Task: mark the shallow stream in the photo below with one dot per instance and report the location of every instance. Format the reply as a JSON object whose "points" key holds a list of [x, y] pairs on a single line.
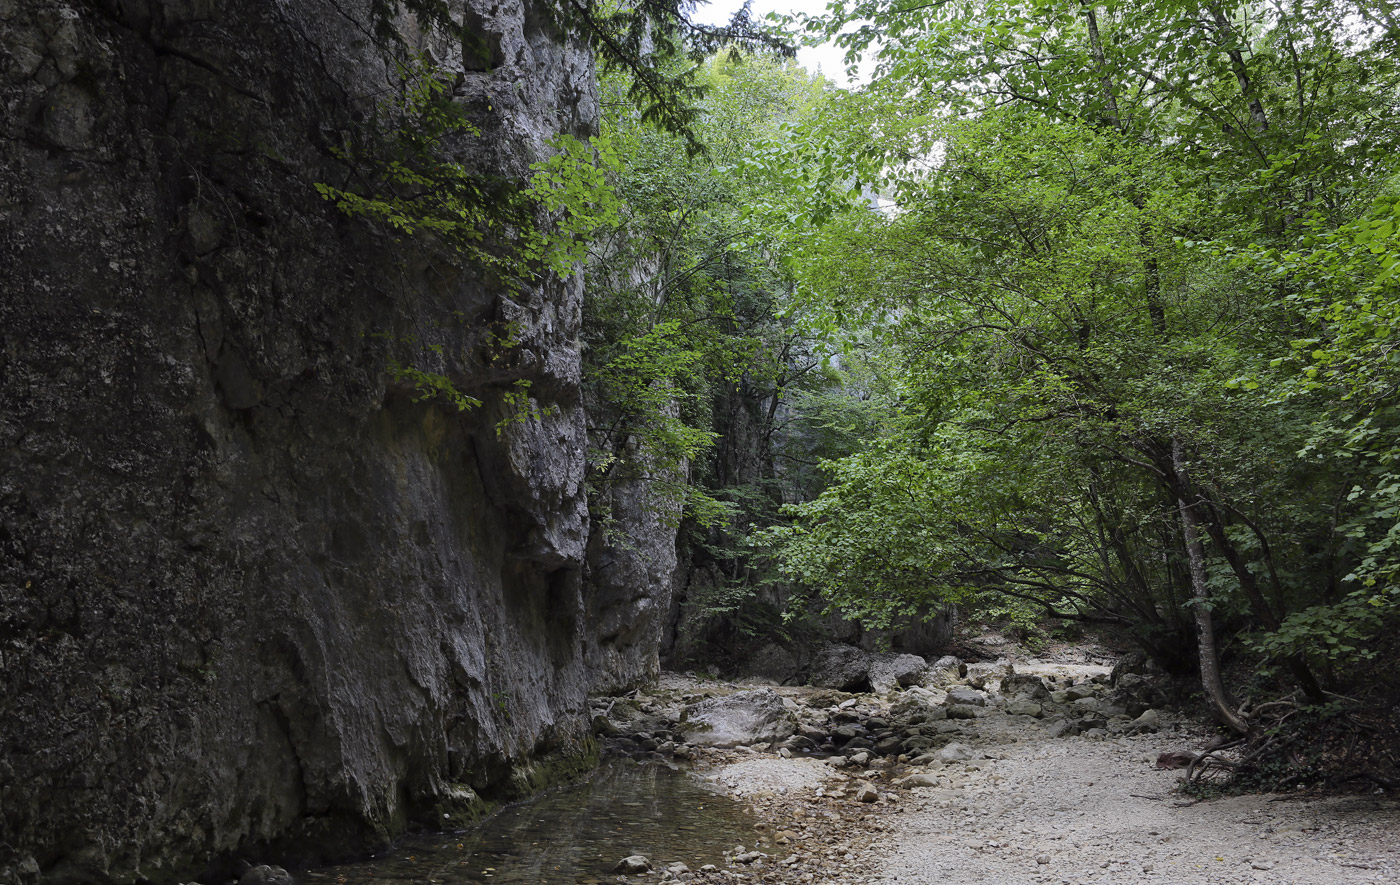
{"points": [[570, 836]]}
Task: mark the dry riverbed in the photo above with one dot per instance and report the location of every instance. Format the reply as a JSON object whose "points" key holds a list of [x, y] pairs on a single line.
{"points": [[1003, 797]]}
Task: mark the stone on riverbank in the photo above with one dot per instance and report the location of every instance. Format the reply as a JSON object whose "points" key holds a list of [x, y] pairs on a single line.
{"points": [[629, 866], [746, 717]]}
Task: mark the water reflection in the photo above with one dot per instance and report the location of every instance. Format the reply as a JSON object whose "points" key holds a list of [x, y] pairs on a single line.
{"points": [[571, 836]]}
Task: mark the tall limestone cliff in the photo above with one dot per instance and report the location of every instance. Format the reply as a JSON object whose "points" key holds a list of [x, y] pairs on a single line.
{"points": [[257, 598]]}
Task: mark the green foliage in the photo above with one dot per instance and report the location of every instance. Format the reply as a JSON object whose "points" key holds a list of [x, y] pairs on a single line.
{"points": [[682, 325], [1118, 232], [427, 385], [655, 50]]}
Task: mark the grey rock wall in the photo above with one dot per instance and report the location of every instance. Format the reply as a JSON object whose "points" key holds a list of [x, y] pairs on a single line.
{"points": [[254, 599], [631, 567]]}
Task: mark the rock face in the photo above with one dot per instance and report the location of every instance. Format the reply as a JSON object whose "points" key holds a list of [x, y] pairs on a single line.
{"points": [[254, 591], [746, 717], [631, 568]]}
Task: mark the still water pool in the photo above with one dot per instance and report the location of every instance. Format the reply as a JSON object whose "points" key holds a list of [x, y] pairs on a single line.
{"points": [[570, 836]]}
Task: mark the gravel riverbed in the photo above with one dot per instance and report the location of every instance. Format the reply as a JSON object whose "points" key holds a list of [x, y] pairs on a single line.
{"points": [[1012, 799]]}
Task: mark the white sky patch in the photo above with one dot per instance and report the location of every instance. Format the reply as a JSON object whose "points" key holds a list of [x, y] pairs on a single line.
{"points": [[827, 58]]}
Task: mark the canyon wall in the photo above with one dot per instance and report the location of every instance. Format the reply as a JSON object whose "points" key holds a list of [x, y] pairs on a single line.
{"points": [[259, 599]]}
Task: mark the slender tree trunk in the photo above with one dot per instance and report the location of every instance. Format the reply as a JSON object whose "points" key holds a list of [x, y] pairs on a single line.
{"points": [[1237, 64], [1110, 95], [1211, 682], [1297, 665]]}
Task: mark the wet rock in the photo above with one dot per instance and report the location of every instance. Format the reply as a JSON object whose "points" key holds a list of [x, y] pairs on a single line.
{"points": [[745, 717], [961, 711], [749, 857], [629, 866], [849, 731], [266, 874]]}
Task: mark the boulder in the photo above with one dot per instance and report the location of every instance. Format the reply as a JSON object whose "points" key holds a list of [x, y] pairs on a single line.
{"points": [[967, 697], [746, 717], [1081, 690], [266, 874], [1024, 706], [867, 793], [915, 701], [921, 779], [774, 662], [1086, 705], [891, 671], [950, 665], [1136, 693], [842, 667], [962, 711], [1134, 663], [956, 752], [917, 744], [632, 865], [889, 746], [1150, 722], [1025, 686]]}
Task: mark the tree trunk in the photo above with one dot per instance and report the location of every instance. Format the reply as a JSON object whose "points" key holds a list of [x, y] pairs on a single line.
{"points": [[1220, 703], [1297, 665]]}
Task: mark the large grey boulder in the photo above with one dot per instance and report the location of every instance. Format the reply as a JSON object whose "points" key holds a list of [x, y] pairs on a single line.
{"points": [[1136, 694], [266, 875], [968, 697], [891, 671], [1023, 685], [773, 661], [1024, 706], [747, 717], [842, 667]]}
